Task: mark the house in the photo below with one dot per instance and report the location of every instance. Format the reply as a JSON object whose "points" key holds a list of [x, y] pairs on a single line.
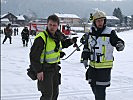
{"points": [[70, 19], [21, 20], [5, 21], [12, 18], [112, 21]]}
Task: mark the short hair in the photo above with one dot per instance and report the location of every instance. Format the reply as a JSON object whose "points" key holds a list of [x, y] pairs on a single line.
{"points": [[53, 18]]}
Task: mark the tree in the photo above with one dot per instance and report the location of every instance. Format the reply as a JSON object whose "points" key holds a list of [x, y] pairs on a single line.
{"points": [[117, 12], [132, 21], [125, 20]]}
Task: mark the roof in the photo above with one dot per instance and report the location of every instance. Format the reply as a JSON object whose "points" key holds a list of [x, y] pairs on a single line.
{"points": [[21, 17], [67, 15], [4, 15], [112, 17], [5, 20], [129, 16]]}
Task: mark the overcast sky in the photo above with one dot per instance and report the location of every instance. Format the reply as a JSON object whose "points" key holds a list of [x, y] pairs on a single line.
{"points": [[82, 8]]}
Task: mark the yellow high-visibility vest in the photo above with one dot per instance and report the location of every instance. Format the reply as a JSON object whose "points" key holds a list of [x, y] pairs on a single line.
{"points": [[49, 54]]}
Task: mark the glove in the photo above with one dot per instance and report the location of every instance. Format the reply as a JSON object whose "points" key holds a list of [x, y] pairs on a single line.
{"points": [[120, 46], [85, 62], [74, 39], [62, 54]]}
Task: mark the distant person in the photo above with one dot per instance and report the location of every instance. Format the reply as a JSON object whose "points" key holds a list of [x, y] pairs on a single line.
{"points": [[99, 51], [15, 31], [8, 33], [25, 36], [1, 31]]}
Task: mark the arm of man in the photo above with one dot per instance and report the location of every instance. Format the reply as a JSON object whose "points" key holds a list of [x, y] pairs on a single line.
{"points": [[35, 54], [66, 43], [116, 41]]}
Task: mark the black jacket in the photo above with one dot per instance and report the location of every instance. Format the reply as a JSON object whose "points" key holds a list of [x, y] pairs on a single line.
{"points": [[25, 34], [38, 47]]}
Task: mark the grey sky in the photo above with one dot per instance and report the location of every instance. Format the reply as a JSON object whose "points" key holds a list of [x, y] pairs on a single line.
{"points": [[80, 7]]}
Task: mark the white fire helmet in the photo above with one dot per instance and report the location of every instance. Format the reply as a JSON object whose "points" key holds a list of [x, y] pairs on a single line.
{"points": [[99, 14]]}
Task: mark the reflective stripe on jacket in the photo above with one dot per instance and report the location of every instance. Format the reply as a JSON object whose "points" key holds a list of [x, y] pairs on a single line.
{"points": [[49, 54], [102, 56]]}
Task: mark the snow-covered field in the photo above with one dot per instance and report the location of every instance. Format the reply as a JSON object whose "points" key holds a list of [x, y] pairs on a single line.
{"points": [[16, 85]]}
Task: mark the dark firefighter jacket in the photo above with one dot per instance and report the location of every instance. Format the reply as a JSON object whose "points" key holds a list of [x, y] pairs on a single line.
{"points": [[25, 34], [100, 76]]}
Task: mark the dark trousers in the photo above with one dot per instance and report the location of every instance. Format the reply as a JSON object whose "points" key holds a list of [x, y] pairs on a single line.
{"points": [[49, 87], [25, 42], [6, 39], [99, 92]]}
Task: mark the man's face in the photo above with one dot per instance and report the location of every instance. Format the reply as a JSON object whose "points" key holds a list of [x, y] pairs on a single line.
{"points": [[99, 22], [52, 26]]}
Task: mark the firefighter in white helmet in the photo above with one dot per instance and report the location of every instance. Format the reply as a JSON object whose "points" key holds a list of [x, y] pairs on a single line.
{"points": [[99, 51]]}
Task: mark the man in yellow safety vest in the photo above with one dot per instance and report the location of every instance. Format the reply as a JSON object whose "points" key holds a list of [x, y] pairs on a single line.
{"points": [[45, 56]]}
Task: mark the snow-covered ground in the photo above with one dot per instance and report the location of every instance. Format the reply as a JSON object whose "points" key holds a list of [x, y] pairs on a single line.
{"points": [[16, 85]]}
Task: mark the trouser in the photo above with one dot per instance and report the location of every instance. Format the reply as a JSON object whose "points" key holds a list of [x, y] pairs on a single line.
{"points": [[49, 87], [6, 38], [25, 42], [99, 92]]}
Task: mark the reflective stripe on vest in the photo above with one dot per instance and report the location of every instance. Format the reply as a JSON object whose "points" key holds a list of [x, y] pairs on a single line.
{"points": [[100, 83], [103, 56], [50, 55], [105, 64]]}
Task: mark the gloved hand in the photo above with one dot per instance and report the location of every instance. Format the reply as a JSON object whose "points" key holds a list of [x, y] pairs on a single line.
{"points": [[120, 46], [85, 62], [74, 39], [62, 54]]}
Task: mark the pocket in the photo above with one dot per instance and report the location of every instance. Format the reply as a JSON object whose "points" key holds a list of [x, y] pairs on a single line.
{"points": [[31, 74]]}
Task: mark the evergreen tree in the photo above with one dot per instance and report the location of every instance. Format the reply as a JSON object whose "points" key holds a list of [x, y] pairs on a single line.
{"points": [[132, 21], [125, 20], [117, 12]]}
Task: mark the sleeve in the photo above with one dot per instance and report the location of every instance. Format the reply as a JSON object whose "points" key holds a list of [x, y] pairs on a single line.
{"points": [[86, 52], [66, 43], [35, 54], [114, 38], [22, 33], [82, 40], [64, 40]]}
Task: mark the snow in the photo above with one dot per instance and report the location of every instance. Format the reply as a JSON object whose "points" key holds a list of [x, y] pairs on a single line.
{"points": [[16, 85], [112, 17], [20, 17], [66, 15], [5, 20]]}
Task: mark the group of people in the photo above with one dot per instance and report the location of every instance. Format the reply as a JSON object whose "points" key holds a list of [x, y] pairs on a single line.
{"points": [[8, 34], [99, 44]]}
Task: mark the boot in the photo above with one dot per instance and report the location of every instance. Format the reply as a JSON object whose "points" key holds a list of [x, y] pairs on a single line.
{"points": [[23, 45], [26, 44]]}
